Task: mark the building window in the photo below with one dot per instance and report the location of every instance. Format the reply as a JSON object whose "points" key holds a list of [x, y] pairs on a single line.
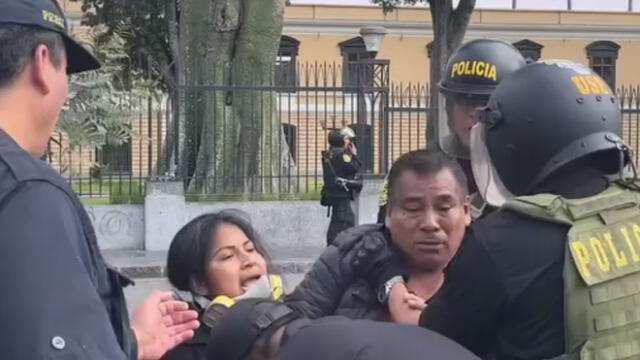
{"points": [[602, 60], [530, 50], [286, 62], [115, 159], [291, 137], [352, 51]]}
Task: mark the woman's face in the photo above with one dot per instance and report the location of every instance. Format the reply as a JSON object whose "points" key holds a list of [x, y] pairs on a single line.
{"points": [[233, 263]]}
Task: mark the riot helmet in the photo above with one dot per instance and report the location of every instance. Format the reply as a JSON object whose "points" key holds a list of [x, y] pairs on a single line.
{"points": [[243, 324], [335, 139], [348, 132], [471, 75], [544, 116]]}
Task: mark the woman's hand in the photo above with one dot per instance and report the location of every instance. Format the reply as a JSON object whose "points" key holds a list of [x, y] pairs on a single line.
{"points": [[404, 307], [161, 323]]}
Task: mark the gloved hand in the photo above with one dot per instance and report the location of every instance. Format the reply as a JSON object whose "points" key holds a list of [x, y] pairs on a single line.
{"points": [[371, 256]]}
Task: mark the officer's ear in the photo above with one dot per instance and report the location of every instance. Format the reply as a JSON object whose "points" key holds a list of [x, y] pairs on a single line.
{"points": [[198, 286], [467, 210]]}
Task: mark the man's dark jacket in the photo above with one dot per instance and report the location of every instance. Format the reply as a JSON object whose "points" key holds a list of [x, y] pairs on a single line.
{"points": [[334, 287]]}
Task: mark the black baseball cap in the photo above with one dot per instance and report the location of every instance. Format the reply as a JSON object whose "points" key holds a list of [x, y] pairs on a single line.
{"points": [[47, 15]]}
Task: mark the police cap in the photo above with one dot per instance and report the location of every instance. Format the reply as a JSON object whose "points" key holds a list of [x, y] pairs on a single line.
{"points": [[47, 15]]}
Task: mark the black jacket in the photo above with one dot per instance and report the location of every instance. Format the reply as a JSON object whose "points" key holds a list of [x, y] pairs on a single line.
{"points": [[59, 298], [193, 349], [337, 338], [342, 165], [504, 292], [332, 287]]}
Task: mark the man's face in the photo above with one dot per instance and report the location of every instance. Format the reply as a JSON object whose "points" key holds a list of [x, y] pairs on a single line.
{"points": [[463, 117], [428, 216]]}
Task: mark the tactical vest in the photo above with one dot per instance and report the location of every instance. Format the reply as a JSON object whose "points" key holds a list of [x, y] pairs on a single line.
{"points": [[601, 270]]}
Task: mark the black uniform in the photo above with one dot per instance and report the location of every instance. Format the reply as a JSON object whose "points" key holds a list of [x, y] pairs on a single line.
{"points": [[503, 292], [253, 322], [339, 195], [339, 338], [59, 298]]}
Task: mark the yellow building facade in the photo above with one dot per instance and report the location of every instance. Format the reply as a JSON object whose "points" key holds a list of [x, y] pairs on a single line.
{"points": [[608, 41], [561, 34]]}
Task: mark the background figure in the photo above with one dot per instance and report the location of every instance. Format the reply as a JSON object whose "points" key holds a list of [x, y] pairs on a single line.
{"points": [[342, 180]]}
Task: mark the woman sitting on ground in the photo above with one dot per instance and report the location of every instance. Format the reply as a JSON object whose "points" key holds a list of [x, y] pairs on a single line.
{"points": [[212, 255]]}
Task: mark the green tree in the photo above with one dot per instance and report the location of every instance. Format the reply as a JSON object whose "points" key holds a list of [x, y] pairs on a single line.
{"points": [[449, 26], [96, 112], [209, 42]]}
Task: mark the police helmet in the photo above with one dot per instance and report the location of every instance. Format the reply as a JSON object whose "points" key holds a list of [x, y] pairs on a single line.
{"points": [[478, 66], [348, 132], [244, 323], [471, 75], [542, 117], [335, 138]]}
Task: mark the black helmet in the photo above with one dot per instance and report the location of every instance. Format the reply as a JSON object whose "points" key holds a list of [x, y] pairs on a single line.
{"points": [[335, 138], [241, 325], [477, 67], [545, 116]]}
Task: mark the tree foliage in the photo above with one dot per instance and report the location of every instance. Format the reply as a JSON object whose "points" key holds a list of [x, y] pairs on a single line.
{"points": [[100, 103], [150, 49]]}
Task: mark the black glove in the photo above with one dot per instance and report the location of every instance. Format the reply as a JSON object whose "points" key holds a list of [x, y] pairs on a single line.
{"points": [[371, 256]]}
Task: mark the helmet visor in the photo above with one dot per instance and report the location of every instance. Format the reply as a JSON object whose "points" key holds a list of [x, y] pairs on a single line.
{"points": [[489, 184], [456, 117]]}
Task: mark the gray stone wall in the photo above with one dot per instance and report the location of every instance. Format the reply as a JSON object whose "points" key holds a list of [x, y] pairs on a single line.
{"points": [[290, 229]]}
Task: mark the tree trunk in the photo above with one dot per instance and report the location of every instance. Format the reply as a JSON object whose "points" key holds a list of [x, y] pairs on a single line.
{"points": [[167, 159], [265, 149], [449, 27], [239, 141]]}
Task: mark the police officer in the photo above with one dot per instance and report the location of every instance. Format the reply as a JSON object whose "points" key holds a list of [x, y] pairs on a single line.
{"points": [[554, 272], [260, 329], [59, 299], [342, 180], [472, 73]]}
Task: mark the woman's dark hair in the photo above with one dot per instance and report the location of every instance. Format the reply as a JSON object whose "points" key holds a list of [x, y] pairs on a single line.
{"points": [[190, 248]]}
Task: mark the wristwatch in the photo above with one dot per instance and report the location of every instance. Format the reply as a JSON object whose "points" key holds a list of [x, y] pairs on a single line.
{"points": [[385, 289]]}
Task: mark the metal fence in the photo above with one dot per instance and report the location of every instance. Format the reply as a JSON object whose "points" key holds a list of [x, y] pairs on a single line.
{"points": [[264, 141]]}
